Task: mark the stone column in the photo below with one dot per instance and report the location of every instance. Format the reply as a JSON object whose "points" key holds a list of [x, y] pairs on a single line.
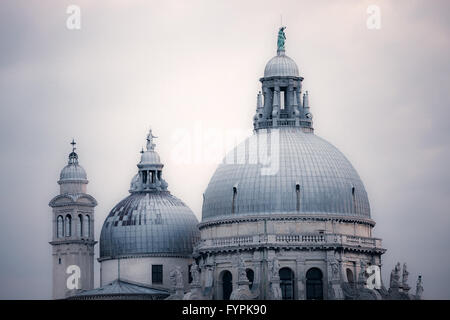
{"points": [[301, 271], [267, 111]]}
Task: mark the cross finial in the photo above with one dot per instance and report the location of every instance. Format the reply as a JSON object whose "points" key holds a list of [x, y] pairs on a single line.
{"points": [[73, 143]]}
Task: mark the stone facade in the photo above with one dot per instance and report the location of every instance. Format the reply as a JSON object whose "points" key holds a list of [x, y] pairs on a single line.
{"points": [[298, 244], [139, 269]]}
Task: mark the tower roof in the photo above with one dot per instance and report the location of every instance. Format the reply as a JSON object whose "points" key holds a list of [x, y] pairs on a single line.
{"points": [[73, 172]]}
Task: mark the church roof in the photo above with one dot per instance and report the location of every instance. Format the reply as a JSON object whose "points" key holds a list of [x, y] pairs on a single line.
{"points": [[305, 175], [149, 223], [122, 288]]}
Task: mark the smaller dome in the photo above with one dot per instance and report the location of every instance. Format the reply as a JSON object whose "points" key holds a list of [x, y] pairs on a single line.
{"points": [[72, 172], [281, 66], [149, 223], [150, 157]]}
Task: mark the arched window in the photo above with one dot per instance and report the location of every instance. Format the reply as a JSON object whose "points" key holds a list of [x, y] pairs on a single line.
{"points": [[227, 285], [80, 226], [233, 204], [250, 277], [353, 199], [350, 279], [86, 226], [68, 226], [189, 273], [60, 227], [314, 285], [287, 283], [297, 192]]}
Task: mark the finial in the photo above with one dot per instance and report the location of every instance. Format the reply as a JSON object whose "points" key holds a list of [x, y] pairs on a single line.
{"points": [[142, 150], [150, 144], [73, 157], [73, 143]]}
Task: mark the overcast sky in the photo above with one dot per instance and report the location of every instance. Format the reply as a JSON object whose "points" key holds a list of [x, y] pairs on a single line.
{"points": [[380, 96]]}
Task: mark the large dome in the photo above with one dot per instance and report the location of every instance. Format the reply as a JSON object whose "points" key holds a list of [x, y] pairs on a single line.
{"points": [[312, 177], [281, 66], [148, 223]]}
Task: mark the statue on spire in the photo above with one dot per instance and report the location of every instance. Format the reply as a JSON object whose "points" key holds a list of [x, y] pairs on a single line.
{"points": [[150, 144], [281, 39]]}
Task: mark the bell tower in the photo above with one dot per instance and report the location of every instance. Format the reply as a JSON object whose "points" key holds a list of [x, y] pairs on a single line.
{"points": [[73, 232]]}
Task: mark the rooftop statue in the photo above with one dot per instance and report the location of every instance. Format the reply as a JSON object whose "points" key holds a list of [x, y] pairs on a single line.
{"points": [[419, 287], [176, 277], [405, 278], [195, 274], [395, 276], [275, 268], [281, 39], [150, 144], [242, 274]]}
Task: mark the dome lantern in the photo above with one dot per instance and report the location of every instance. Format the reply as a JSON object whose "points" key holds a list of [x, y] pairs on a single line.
{"points": [[282, 87], [149, 177]]}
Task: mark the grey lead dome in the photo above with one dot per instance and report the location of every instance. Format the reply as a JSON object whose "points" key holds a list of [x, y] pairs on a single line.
{"points": [[281, 66], [150, 221], [147, 223], [327, 182]]}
